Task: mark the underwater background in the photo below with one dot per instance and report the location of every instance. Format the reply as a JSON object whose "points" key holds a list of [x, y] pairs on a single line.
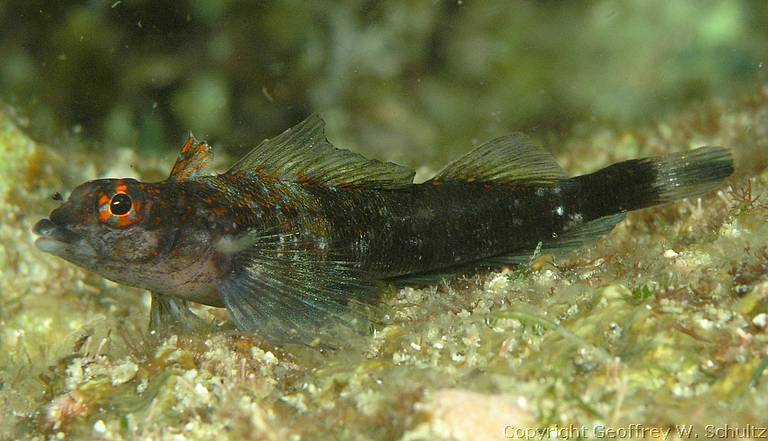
{"points": [[664, 323]]}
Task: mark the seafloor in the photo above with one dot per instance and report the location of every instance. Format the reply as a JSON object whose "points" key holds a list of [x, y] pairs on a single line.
{"points": [[664, 323]]}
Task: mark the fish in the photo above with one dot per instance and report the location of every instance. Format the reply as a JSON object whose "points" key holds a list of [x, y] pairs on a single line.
{"points": [[297, 233]]}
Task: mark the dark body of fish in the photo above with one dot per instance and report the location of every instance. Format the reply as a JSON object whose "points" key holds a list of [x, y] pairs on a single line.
{"points": [[297, 229]]}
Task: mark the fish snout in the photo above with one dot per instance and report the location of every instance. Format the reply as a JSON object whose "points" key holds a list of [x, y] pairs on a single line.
{"points": [[50, 230], [62, 215], [47, 243], [44, 227]]}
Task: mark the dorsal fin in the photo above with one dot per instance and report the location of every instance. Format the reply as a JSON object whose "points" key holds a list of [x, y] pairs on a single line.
{"points": [[193, 158], [303, 153], [509, 159]]}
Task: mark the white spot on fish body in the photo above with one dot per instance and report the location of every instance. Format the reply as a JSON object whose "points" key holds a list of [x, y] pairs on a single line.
{"points": [[560, 210], [362, 245]]}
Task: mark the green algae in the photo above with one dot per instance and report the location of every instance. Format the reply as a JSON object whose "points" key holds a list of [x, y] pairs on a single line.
{"points": [[660, 323]]}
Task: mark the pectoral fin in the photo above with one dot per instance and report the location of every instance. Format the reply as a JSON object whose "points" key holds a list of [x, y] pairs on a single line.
{"points": [[294, 295]]}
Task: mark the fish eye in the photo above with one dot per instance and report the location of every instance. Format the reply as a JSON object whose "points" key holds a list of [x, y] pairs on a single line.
{"points": [[120, 204], [121, 207]]}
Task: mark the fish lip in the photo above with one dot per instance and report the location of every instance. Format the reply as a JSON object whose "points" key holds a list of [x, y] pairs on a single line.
{"points": [[50, 246], [60, 241], [49, 230]]}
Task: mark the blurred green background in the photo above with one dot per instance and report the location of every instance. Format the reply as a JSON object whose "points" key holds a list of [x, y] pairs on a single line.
{"points": [[412, 81]]}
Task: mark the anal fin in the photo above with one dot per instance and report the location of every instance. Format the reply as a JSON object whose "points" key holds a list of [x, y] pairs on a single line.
{"points": [[576, 237], [573, 238]]}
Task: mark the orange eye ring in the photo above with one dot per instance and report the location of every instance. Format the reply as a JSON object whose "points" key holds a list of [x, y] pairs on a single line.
{"points": [[118, 209]]}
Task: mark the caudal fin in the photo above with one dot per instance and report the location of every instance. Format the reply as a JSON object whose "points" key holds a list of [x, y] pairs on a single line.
{"points": [[640, 183], [685, 175]]}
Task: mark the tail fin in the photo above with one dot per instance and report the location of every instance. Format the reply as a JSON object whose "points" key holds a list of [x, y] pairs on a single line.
{"points": [[685, 175], [640, 183]]}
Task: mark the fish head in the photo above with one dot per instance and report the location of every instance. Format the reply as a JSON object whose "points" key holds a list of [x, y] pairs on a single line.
{"points": [[108, 226]]}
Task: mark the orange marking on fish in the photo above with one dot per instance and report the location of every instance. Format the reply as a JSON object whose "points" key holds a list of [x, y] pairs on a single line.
{"points": [[104, 216], [265, 177], [304, 179], [188, 144], [122, 221], [192, 158]]}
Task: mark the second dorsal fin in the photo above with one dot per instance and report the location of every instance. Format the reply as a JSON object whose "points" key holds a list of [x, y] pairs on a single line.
{"points": [[303, 153], [509, 159]]}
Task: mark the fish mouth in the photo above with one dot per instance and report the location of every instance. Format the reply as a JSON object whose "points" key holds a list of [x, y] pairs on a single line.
{"points": [[58, 240]]}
